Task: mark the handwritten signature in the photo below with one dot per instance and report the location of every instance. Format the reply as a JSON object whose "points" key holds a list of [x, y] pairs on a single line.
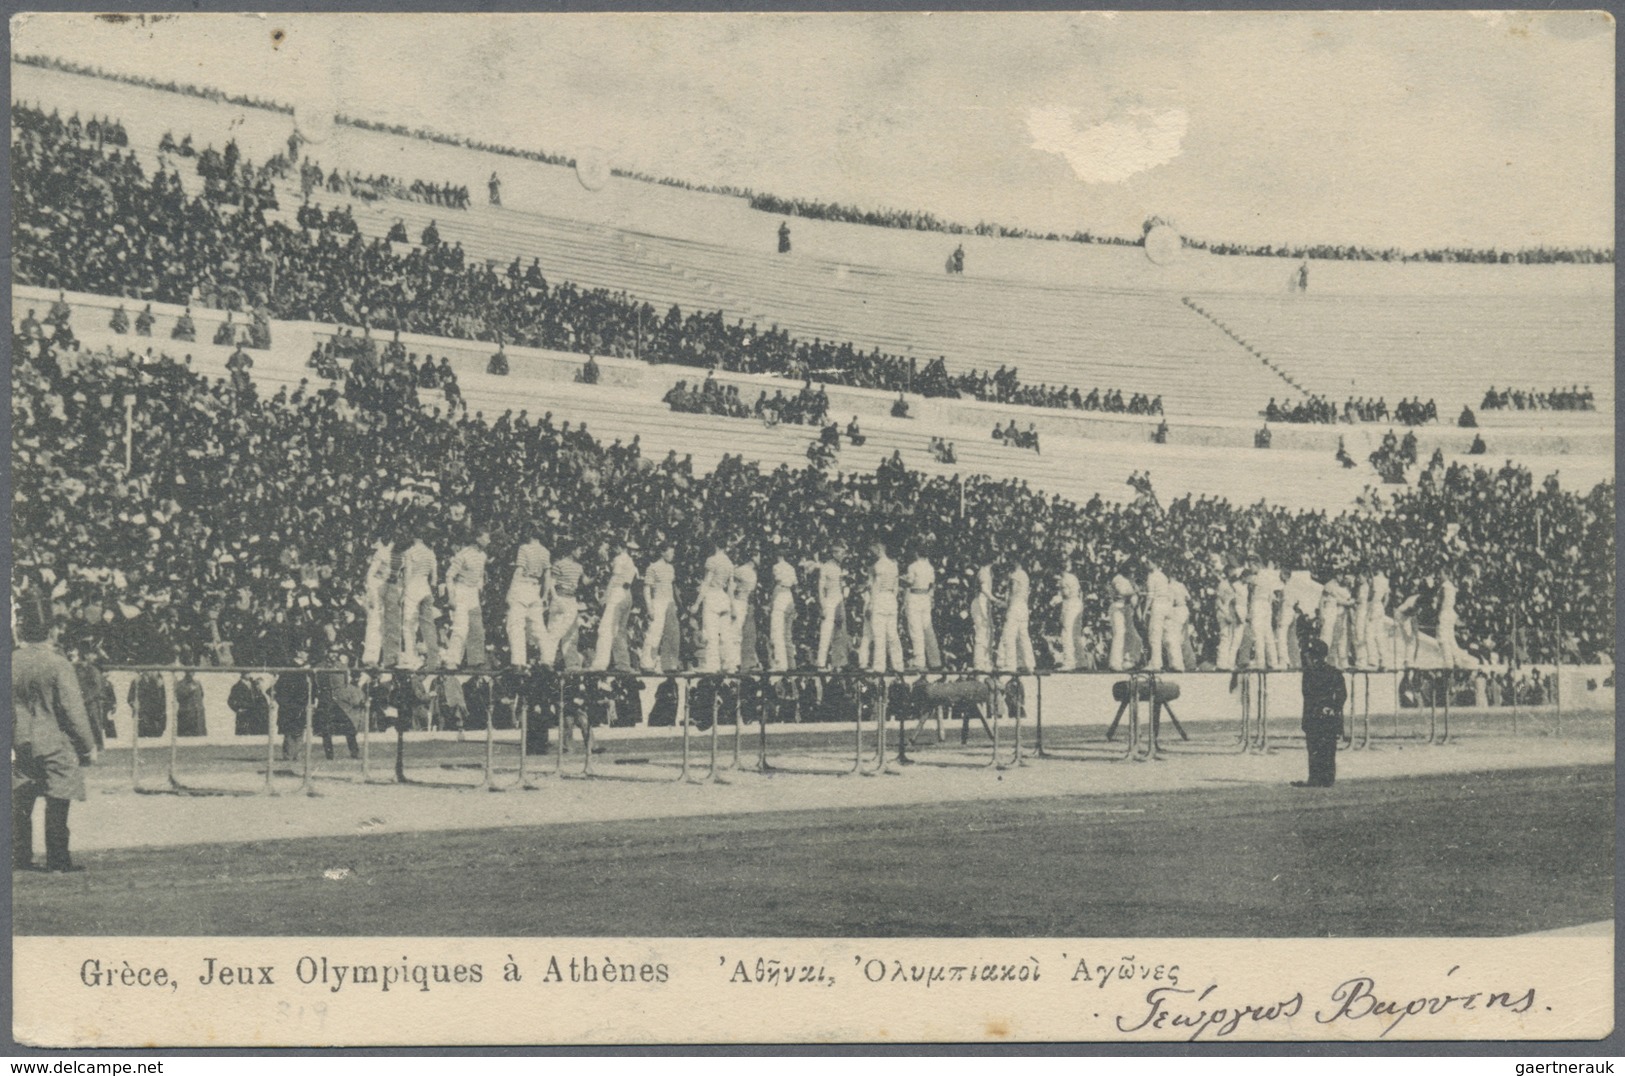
{"points": [[1352, 1000]]}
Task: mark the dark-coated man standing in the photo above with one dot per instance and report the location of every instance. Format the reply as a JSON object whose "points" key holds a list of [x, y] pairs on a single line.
{"points": [[1323, 696], [51, 740]]}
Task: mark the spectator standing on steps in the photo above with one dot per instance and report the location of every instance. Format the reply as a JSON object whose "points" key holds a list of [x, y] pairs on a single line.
{"points": [[494, 185]]}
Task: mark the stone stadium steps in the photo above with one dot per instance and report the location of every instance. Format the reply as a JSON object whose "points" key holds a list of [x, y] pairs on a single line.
{"points": [[1446, 348], [1137, 342]]}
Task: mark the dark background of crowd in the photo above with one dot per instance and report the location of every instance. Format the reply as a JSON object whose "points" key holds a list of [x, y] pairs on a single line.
{"points": [[1573, 398], [250, 519], [908, 219]]}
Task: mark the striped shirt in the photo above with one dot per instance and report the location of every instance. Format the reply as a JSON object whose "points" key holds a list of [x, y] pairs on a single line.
{"points": [[531, 565], [660, 580], [420, 563], [566, 576], [467, 568]]}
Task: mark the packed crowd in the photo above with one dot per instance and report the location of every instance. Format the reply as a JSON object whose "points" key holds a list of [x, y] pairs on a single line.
{"points": [[94, 223], [1573, 398], [372, 188], [249, 522]]}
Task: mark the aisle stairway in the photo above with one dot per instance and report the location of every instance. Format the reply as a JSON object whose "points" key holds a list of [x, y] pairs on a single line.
{"points": [[1448, 349]]}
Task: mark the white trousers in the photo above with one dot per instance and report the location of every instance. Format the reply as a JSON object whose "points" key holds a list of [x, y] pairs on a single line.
{"points": [[619, 599], [981, 618], [1266, 649], [883, 631], [716, 617], [922, 634], [780, 617], [527, 619], [1447, 640], [1015, 644], [1118, 657], [1071, 615], [657, 632], [1158, 622], [1229, 643], [417, 592], [1173, 639], [826, 633], [372, 639], [465, 606], [561, 622]]}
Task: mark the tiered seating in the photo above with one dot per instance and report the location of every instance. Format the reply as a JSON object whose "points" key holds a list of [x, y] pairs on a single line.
{"points": [[1447, 348], [1134, 341]]}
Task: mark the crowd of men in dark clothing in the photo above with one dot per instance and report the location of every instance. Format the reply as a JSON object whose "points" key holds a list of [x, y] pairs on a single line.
{"points": [[1014, 438], [371, 188], [1319, 409], [808, 407], [1573, 398]]}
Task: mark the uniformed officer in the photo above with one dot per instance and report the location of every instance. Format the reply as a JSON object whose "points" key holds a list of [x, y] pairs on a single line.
{"points": [[51, 739], [1323, 696]]}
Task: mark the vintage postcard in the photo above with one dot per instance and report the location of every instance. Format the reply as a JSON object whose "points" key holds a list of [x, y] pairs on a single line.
{"points": [[855, 528]]}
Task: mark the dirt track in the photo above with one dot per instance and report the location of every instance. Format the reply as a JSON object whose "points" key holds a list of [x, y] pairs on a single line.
{"points": [[1458, 840]]}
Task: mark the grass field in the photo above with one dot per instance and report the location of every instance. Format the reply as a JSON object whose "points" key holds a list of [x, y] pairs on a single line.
{"points": [[1477, 852]]}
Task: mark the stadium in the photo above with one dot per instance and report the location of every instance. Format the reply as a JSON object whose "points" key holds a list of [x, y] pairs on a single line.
{"points": [[265, 351]]}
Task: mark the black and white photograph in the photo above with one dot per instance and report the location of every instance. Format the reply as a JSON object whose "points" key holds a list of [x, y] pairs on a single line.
{"points": [[800, 509]]}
